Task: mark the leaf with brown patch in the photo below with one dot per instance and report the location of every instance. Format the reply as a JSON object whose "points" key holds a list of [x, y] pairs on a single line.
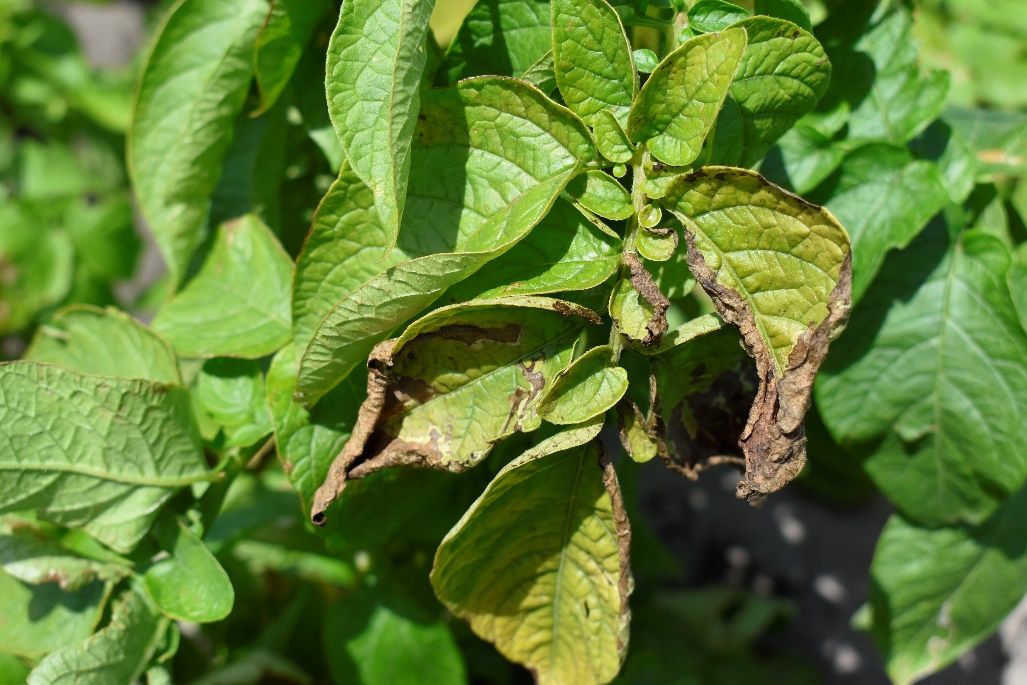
{"points": [[637, 304]]}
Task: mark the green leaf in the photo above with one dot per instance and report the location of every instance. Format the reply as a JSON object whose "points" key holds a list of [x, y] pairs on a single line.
{"points": [[101, 454], [710, 16], [782, 76], [584, 390], [376, 57], [189, 585], [611, 139], [592, 57], [601, 194], [791, 10], [104, 342], [885, 199], [308, 440], [347, 245], [940, 326], [28, 554], [41, 266], [565, 252], [376, 640], [456, 382], [119, 652], [193, 85], [231, 392], [549, 591], [280, 45], [542, 74], [40, 618], [803, 158], [12, 670], [938, 593], [238, 304], [1017, 279], [679, 103], [637, 305], [506, 37], [658, 244], [779, 269], [998, 140]]}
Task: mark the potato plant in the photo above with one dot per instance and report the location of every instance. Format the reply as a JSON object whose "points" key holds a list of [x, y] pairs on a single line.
{"points": [[462, 293]]}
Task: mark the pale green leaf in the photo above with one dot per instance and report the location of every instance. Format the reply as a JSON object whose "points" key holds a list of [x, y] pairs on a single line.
{"points": [[637, 435], [188, 585], [280, 45], [28, 554], [637, 305], [938, 593], [549, 591], [679, 103], [376, 57], [657, 245], [884, 198], [104, 342], [592, 58], [611, 139], [119, 653], [505, 37], [97, 453], [601, 194], [456, 382], [709, 16], [782, 75], [939, 325], [238, 304], [40, 618], [584, 390], [193, 85]]}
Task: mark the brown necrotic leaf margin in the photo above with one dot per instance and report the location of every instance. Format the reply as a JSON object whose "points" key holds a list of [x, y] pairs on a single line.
{"points": [[773, 442]]}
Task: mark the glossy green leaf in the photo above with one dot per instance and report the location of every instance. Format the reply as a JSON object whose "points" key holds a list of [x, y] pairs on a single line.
{"points": [[782, 75], [104, 342], [376, 640], [238, 304], [231, 393], [645, 60], [601, 194], [679, 103], [611, 139], [347, 245], [505, 37], [710, 16], [375, 61], [280, 45], [40, 618], [938, 593], [119, 652], [565, 252], [592, 57], [549, 591], [940, 326], [193, 86], [779, 269], [587, 388], [189, 585], [885, 199], [456, 382], [790, 10], [97, 453]]}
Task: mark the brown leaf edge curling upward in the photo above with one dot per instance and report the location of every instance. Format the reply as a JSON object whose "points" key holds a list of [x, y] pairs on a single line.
{"points": [[646, 286], [354, 462], [773, 442], [622, 527]]}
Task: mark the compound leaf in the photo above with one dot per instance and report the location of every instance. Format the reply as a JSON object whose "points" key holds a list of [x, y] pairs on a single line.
{"points": [[549, 591], [238, 304]]}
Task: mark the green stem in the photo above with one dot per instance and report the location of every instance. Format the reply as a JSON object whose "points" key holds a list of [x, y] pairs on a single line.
{"points": [[638, 203]]}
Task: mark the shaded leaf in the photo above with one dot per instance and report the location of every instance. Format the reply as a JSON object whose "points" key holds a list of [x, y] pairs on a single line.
{"points": [[280, 45], [506, 37], [231, 392], [29, 555], [791, 10], [39, 619], [238, 304], [550, 592]]}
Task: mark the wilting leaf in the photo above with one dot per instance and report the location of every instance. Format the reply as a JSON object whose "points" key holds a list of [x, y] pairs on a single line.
{"points": [[190, 584], [937, 593], [678, 105], [280, 45], [117, 653], [506, 37], [549, 591], [193, 86], [104, 342], [96, 453], [238, 304], [779, 269], [884, 198], [456, 382], [585, 389], [637, 305], [37, 619], [601, 194], [940, 328], [592, 58], [375, 61]]}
